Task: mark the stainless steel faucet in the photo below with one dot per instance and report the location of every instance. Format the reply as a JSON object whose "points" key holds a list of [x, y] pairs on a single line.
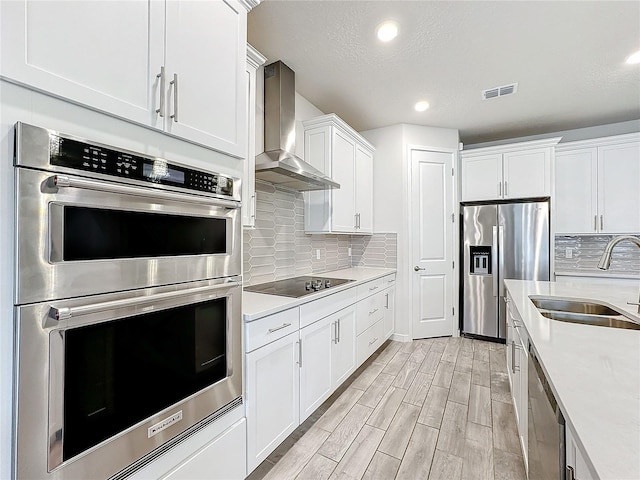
{"points": [[605, 259]]}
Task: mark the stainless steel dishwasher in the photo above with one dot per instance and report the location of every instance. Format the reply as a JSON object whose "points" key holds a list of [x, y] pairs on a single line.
{"points": [[546, 428]]}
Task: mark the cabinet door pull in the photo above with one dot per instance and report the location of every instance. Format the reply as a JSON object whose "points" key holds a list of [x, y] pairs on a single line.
{"points": [[499, 189], [373, 311], [373, 341], [174, 82], [284, 325], [334, 332], [595, 223], [570, 473], [601, 222], [371, 289], [513, 357], [160, 109], [339, 330], [300, 353], [506, 189], [386, 305]]}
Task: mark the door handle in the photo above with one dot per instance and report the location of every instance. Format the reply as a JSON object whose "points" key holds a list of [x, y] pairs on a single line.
{"points": [[501, 263], [417, 268], [62, 181], [494, 260], [160, 109], [174, 82]]}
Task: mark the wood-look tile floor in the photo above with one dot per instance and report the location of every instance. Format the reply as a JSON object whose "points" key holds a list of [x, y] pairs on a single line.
{"points": [[430, 409]]}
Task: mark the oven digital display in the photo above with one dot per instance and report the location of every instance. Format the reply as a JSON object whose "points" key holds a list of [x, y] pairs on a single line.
{"points": [[78, 155], [160, 171]]}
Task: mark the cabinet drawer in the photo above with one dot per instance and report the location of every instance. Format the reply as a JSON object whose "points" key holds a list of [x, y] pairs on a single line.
{"points": [[389, 280], [369, 311], [313, 311], [369, 288], [369, 341], [266, 330]]}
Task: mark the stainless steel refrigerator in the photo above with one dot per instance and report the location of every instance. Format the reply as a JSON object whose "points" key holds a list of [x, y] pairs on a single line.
{"points": [[499, 241]]}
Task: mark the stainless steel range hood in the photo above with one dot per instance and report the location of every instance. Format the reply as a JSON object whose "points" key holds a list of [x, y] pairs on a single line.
{"points": [[278, 164]]}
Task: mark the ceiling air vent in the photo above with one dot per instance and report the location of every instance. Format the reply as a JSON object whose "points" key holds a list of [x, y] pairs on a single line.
{"points": [[499, 91]]}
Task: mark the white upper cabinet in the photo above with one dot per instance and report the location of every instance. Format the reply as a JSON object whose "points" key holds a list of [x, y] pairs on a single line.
{"points": [[206, 45], [337, 150], [177, 66], [254, 60], [519, 170], [597, 186], [619, 188], [104, 55], [482, 177], [576, 197]]}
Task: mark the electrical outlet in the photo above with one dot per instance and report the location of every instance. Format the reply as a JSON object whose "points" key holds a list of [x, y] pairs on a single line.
{"points": [[317, 254], [568, 253]]}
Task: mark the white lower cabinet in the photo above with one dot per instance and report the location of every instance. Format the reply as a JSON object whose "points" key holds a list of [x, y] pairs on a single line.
{"points": [[343, 346], [517, 366], [222, 459], [215, 452], [389, 310], [315, 376], [576, 463], [272, 395], [298, 357]]}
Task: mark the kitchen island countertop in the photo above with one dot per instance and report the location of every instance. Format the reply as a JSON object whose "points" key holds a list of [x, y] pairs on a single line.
{"points": [[258, 305], [594, 372]]}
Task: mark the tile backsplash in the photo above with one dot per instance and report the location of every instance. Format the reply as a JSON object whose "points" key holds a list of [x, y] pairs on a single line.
{"points": [[585, 252], [278, 247]]}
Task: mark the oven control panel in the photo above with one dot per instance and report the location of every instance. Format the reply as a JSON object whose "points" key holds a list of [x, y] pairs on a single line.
{"points": [[66, 152]]}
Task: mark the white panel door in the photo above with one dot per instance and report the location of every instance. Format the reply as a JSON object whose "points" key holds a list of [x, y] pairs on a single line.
{"points": [[315, 368], [482, 177], [343, 346], [576, 192], [619, 188], [527, 174], [272, 394], [102, 54], [432, 251], [343, 171], [364, 190], [205, 58]]}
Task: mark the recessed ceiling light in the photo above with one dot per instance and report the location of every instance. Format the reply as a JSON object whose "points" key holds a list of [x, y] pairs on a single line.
{"points": [[421, 106], [387, 31], [634, 58]]}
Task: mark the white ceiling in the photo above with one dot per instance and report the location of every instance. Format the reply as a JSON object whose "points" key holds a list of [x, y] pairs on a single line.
{"points": [[567, 57]]}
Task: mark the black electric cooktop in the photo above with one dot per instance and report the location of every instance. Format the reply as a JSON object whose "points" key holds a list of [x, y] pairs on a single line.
{"points": [[296, 287]]}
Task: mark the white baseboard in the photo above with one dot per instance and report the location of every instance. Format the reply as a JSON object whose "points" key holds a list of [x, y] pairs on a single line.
{"points": [[398, 337]]}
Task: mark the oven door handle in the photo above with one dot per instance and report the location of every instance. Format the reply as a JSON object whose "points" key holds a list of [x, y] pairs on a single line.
{"points": [[62, 181], [65, 313]]}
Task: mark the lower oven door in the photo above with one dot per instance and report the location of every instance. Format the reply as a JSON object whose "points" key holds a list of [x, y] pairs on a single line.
{"points": [[79, 236], [105, 380]]}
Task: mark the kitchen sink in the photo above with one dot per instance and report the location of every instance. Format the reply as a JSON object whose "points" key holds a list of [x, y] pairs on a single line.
{"points": [[573, 306], [600, 320], [587, 313]]}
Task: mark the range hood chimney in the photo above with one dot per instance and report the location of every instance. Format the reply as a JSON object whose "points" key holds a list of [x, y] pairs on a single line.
{"points": [[278, 164]]}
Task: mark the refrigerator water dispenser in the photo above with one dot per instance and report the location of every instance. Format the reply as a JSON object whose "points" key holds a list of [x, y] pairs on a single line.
{"points": [[480, 263]]}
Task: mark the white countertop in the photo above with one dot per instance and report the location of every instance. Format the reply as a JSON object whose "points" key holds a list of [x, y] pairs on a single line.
{"points": [[596, 273], [593, 371], [258, 305]]}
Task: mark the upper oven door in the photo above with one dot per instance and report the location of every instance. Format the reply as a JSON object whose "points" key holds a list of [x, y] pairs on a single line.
{"points": [[79, 237]]}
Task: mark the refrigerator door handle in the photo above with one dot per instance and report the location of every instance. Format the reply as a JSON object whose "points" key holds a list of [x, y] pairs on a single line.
{"points": [[501, 260], [494, 260]]}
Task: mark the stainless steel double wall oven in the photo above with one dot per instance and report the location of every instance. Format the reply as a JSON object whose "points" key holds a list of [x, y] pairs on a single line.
{"points": [[128, 304]]}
